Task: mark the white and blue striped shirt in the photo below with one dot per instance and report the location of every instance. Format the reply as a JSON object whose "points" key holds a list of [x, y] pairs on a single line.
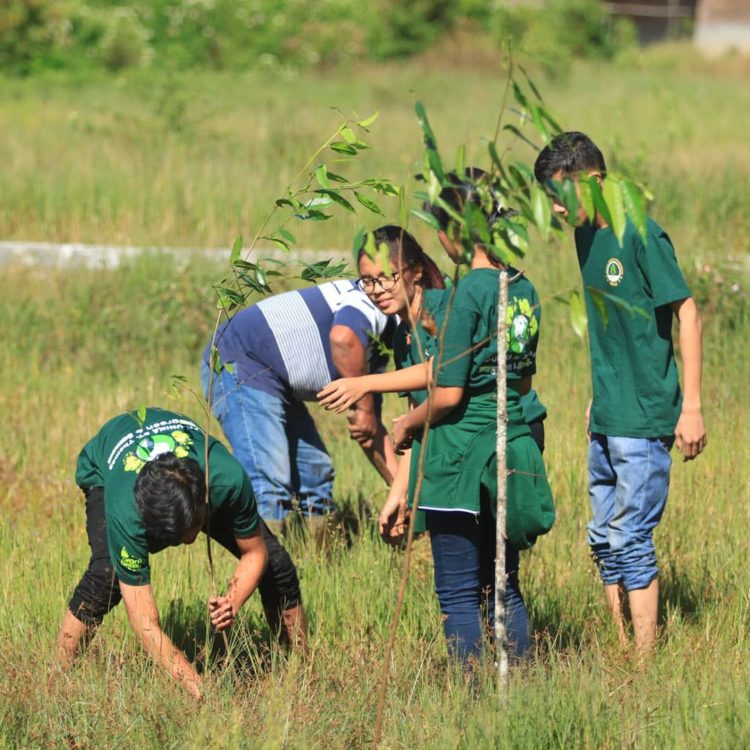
{"points": [[282, 344]]}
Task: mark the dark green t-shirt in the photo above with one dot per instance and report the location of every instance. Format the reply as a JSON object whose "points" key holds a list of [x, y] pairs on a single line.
{"points": [[115, 455], [633, 369]]}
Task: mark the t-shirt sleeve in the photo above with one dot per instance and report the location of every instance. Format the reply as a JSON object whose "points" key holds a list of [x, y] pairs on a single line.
{"points": [[128, 551], [88, 473], [244, 509], [658, 263], [456, 361], [359, 314]]}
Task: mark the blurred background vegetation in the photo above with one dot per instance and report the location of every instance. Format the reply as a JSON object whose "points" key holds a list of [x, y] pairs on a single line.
{"points": [[90, 35]]}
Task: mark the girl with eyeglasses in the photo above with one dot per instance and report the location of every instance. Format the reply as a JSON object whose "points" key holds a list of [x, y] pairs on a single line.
{"points": [[459, 486]]}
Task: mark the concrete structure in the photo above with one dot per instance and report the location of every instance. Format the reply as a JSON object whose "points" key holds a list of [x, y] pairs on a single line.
{"points": [[656, 20], [722, 26]]}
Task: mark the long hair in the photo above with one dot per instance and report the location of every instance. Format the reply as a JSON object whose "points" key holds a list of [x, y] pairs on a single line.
{"points": [[405, 251]]}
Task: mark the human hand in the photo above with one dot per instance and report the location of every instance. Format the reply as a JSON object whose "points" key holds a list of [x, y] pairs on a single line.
{"points": [[362, 426], [222, 612], [690, 434], [340, 394], [392, 519], [402, 437], [588, 419]]}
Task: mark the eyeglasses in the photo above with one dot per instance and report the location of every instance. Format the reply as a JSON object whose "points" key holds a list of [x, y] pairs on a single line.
{"points": [[368, 283]]}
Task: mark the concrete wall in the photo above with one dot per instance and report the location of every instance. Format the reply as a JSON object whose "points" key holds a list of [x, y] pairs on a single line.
{"points": [[723, 25]]}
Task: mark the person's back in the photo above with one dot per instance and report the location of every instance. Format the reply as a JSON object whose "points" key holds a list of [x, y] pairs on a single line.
{"points": [[282, 342]]}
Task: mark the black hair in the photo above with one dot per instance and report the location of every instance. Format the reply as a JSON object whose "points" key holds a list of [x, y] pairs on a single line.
{"points": [[170, 494], [568, 153], [463, 190], [404, 249]]}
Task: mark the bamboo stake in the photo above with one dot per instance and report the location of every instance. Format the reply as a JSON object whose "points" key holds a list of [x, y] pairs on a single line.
{"points": [[501, 661]]}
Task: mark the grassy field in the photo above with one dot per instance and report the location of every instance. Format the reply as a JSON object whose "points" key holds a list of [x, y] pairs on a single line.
{"points": [[195, 162]]}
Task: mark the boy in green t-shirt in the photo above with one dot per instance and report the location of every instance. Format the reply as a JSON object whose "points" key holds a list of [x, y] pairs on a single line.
{"points": [[145, 490], [637, 411]]}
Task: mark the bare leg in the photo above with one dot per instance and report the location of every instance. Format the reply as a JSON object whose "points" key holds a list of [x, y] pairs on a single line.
{"points": [[644, 609], [291, 627], [70, 637], [614, 595]]}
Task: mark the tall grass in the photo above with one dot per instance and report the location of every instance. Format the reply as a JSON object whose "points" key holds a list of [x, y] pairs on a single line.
{"points": [[78, 346]]}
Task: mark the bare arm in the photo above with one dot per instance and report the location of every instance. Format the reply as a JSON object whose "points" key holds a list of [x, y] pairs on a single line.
{"points": [[338, 395], [444, 400], [690, 432], [247, 575], [144, 619], [350, 359], [392, 518]]}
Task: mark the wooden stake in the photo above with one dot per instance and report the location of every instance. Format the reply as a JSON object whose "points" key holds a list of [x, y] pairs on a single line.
{"points": [[501, 662]]}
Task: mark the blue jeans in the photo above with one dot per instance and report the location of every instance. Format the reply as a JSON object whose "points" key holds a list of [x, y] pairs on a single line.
{"points": [[278, 445], [628, 487], [463, 553]]}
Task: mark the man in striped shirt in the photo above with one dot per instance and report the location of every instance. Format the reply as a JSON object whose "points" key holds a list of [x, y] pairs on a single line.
{"points": [[283, 350]]}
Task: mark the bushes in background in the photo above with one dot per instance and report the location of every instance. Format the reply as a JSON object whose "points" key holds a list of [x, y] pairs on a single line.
{"points": [[236, 34]]}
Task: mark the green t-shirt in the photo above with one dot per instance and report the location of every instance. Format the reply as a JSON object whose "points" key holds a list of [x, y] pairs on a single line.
{"points": [[633, 369], [460, 458], [115, 455]]}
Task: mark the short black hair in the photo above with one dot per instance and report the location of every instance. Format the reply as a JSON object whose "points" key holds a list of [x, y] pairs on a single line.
{"points": [[463, 190], [170, 494], [569, 153]]}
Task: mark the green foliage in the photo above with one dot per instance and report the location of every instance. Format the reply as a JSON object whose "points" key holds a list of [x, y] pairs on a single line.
{"points": [[242, 34], [561, 31]]}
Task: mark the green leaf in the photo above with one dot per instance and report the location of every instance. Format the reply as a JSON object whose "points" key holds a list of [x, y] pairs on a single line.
{"points": [[531, 84], [321, 175], [424, 123], [385, 260], [347, 134], [403, 209], [287, 235], [368, 120], [370, 205], [597, 299], [336, 177], [519, 96], [587, 197], [336, 197], [236, 250], [322, 269], [541, 209], [541, 128], [599, 203], [215, 360], [513, 129], [476, 224], [141, 414], [613, 197], [578, 317], [359, 239], [434, 187], [341, 147], [634, 206], [461, 160], [427, 218], [370, 245], [230, 367]]}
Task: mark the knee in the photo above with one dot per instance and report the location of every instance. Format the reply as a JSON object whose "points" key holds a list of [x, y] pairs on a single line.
{"points": [[279, 587], [96, 594]]}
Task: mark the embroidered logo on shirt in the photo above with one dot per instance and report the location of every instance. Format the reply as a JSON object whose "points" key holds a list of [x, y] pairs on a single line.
{"points": [[614, 272], [130, 563]]}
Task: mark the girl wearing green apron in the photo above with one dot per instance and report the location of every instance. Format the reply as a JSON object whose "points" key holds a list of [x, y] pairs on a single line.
{"points": [[459, 485]]}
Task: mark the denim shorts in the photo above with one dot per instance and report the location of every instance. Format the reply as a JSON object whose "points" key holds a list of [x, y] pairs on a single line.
{"points": [[628, 488]]}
